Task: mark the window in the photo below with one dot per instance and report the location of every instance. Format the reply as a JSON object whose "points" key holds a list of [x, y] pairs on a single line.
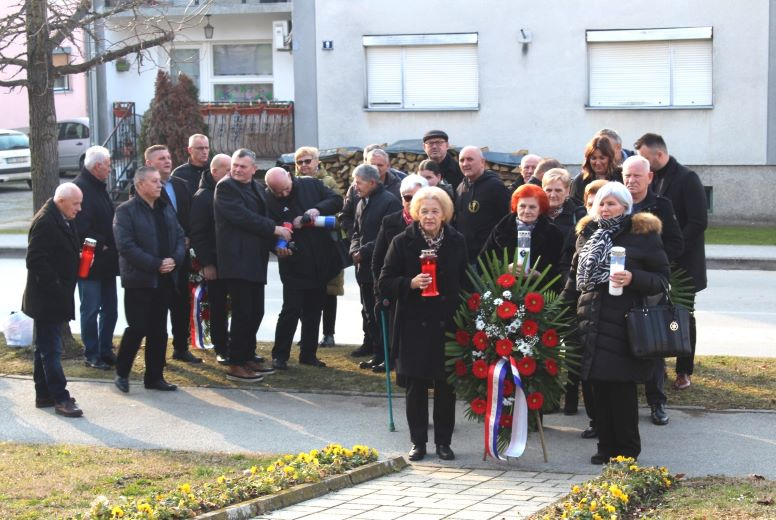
{"points": [[651, 68], [242, 72], [422, 72], [61, 56], [185, 61], [72, 130]]}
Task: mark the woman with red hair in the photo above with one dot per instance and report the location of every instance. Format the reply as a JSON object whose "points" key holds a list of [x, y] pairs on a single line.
{"points": [[529, 213], [599, 163]]}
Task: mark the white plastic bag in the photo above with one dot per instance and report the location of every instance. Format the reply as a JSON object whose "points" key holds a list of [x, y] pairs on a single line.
{"points": [[17, 328]]}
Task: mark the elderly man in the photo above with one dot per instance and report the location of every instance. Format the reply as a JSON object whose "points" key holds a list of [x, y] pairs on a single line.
{"points": [[244, 232], [203, 241], [192, 170], [685, 190], [151, 248], [97, 292], [374, 204], [482, 201], [436, 145], [52, 267], [306, 265], [176, 193]]}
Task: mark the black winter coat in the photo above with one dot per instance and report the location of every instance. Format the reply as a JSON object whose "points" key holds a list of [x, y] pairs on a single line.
{"points": [[420, 323], [52, 266], [315, 259], [451, 171], [244, 234], [191, 174], [478, 208], [684, 189], [392, 225], [661, 207], [139, 257], [369, 217], [579, 183], [601, 316], [95, 220], [203, 222]]}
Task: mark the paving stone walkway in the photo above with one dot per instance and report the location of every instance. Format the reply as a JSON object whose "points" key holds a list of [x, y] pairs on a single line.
{"points": [[434, 492]]}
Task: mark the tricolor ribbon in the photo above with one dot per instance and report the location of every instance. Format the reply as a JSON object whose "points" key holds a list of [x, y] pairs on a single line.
{"points": [[197, 333], [497, 373]]}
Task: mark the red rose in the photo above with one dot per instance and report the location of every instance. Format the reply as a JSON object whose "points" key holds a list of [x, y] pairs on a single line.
{"points": [[535, 400], [480, 369], [503, 347], [480, 340], [505, 421], [526, 366], [460, 368], [550, 338], [506, 281], [462, 337], [551, 367], [509, 387], [478, 406], [529, 328], [506, 310], [534, 302], [473, 302]]}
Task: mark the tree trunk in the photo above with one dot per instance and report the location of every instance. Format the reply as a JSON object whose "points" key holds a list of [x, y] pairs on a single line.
{"points": [[43, 113]]}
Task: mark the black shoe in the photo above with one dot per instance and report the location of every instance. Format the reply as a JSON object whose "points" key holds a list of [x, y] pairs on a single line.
{"points": [[44, 402], [278, 364], [161, 385], [380, 368], [109, 359], [599, 458], [222, 359], [659, 415], [417, 452], [315, 362], [370, 364], [327, 341], [362, 351], [258, 359], [186, 357], [98, 364], [68, 408], [122, 383], [590, 433], [444, 452]]}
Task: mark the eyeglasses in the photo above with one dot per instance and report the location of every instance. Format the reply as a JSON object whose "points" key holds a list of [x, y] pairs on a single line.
{"points": [[304, 162], [436, 142], [407, 198]]}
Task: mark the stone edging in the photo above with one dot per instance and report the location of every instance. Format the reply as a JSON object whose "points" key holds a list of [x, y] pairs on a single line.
{"points": [[296, 494]]}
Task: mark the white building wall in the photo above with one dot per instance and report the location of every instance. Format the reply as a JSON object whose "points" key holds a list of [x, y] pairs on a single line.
{"points": [[534, 98]]}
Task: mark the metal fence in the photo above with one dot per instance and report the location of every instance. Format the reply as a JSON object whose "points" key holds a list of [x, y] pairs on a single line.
{"points": [[266, 128]]}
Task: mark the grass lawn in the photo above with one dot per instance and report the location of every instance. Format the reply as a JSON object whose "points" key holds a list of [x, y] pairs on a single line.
{"points": [[742, 235]]}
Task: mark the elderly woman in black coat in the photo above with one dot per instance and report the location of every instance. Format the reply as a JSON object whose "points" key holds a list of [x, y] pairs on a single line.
{"points": [[420, 322], [607, 361]]}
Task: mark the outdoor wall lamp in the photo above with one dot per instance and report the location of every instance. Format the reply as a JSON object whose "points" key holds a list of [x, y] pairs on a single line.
{"points": [[208, 28]]}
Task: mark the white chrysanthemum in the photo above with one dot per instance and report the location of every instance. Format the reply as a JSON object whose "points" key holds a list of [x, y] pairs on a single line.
{"points": [[508, 401], [479, 324], [507, 295], [497, 302], [477, 354], [487, 295]]}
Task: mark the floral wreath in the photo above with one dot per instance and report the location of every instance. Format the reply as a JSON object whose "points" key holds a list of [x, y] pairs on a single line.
{"points": [[199, 311]]}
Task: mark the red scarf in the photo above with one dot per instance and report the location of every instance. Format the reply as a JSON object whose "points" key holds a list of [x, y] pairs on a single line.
{"points": [[407, 216]]}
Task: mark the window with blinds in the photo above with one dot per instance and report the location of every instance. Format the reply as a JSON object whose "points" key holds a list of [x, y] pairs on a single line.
{"points": [[422, 72], [650, 68]]}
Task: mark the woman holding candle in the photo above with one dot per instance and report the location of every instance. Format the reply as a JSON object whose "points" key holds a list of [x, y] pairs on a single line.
{"points": [[607, 362], [420, 322]]}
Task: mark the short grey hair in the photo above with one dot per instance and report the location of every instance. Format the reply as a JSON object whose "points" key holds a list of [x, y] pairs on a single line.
{"points": [[636, 159], [556, 174], [94, 155], [616, 190], [244, 152], [66, 190], [141, 173], [611, 134], [410, 181], [198, 136], [380, 153], [366, 172]]}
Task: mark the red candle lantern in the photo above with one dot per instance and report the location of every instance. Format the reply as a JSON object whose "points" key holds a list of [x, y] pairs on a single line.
{"points": [[428, 265], [87, 257]]}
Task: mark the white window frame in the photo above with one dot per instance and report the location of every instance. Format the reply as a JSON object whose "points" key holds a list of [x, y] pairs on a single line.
{"points": [[403, 45], [65, 79], [675, 43]]}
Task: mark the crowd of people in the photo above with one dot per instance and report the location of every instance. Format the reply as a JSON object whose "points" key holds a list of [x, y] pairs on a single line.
{"points": [[219, 214]]}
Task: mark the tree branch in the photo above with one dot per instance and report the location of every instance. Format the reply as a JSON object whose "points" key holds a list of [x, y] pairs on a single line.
{"points": [[13, 83], [112, 55]]}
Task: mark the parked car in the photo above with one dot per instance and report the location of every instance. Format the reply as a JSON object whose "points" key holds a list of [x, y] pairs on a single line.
{"points": [[74, 138], [14, 157]]}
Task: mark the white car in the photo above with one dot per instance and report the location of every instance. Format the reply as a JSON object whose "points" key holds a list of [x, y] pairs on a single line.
{"points": [[14, 157], [74, 139]]}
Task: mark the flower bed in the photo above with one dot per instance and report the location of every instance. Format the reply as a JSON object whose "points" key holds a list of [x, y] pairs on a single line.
{"points": [[186, 502], [622, 489]]}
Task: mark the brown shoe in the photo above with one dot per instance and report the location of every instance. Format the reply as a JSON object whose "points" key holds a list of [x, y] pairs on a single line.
{"points": [[259, 368], [68, 408], [242, 374], [682, 382]]}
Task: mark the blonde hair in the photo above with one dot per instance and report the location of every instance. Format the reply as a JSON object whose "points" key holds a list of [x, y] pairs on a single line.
{"points": [[306, 150], [556, 174], [433, 193]]}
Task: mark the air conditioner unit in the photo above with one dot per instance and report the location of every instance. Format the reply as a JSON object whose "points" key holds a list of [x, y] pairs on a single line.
{"points": [[281, 35]]}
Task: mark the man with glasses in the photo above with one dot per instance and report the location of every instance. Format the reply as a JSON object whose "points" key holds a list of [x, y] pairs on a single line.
{"points": [[199, 153], [435, 143]]}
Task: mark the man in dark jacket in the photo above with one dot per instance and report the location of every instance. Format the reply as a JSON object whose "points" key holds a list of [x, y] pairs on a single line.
{"points": [[203, 241], [176, 194], [192, 170], [97, 292], [244, 236], [150, 244], [436, 145], [375, 203], [684, 189], [306, 265], [52, 267], [482, 201]]}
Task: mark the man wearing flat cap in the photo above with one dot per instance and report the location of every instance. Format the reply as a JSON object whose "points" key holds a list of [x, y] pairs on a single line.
{"points": [[436, 145]]}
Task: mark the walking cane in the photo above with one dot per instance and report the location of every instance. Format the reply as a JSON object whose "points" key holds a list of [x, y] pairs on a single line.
{"points": [[383, 321]]}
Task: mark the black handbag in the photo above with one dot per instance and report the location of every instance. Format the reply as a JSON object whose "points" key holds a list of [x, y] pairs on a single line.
{"points": [[659, 331]]}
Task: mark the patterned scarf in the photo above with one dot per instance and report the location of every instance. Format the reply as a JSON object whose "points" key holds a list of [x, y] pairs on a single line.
{"points": [[593, 264], [433, 242], [522, 226]]}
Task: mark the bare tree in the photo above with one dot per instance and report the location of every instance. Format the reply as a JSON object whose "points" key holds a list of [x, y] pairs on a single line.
{"points": [[45, 25]]}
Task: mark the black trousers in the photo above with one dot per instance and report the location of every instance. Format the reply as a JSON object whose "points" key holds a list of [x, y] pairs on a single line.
{"points": [[180, 309], [219, 321], [572, 392], [146, 311], [329, 314], [371, 326], [653, 387], [417, 410], [685, 365], [304, 304], [617, 418], [247, 313]]}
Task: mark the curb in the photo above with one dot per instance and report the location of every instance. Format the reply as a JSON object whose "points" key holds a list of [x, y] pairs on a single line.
{"points": [[288, 497], [740, 264]]}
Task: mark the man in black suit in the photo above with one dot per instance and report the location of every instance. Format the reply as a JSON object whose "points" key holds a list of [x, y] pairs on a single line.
{"points": [[244, 236], [52, 267], [176, 194], [192, 170], [685, 190]]}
